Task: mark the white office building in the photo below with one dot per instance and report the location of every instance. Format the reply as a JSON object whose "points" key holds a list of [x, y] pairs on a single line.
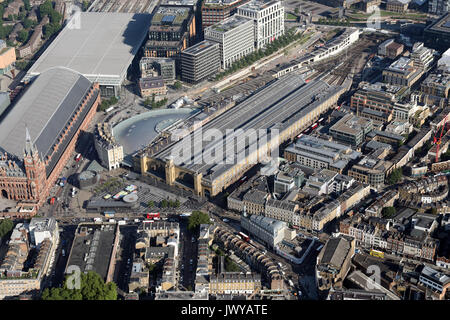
{"points": [[41, 229], [268, 18], [235, 37]]}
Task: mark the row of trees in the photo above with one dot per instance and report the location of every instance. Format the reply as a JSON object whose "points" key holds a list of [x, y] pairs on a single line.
{"points": [[151, 103], [46, 9], [107, 103], [92, 287], [274, 46]]}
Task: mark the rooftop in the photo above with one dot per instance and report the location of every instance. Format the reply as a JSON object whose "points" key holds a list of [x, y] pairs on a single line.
{"points": [[101, 48], [45, 108], [200, 47], [229, 24]]}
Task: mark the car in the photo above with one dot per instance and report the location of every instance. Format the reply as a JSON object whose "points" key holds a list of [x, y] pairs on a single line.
{"points": [[225, 220], [182, 266], [193, 239], [191, 261]]}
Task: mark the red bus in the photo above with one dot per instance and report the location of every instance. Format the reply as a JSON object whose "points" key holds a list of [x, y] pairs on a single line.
{"points": [[153, 215], [78, 157], [244, 236]]}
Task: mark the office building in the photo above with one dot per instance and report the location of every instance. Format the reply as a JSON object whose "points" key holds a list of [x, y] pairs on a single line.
{"points": [[153, 67], [268, 230], [38, 136], [402, 72], [371, 171], [108, 150], [351, 129], [152, 87], [235, 36], [214, 11], [377, 97], [172, 30], [435, 280], [200, 61], [318, 153], [437, 83], [268, 19], [421, 56]]}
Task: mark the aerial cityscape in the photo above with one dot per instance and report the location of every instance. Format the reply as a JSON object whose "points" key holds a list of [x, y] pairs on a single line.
{"points": [[229, 150]]}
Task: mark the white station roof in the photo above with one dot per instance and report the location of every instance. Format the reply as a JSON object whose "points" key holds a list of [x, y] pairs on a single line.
{"points": [[99, 45]]}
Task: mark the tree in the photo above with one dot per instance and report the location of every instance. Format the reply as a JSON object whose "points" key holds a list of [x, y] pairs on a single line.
{"points": [[395, 176], [177, 85], [6, 225], [22, 36], [296, 10], [27, 23], [27, 5], [92, 287], [388, 212], [147, 102], [177, 203], [151, 204], [164, 203], [45, 9], [197, 218]]}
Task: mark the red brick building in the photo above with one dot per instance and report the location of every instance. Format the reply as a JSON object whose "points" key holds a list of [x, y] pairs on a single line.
{"points": [[38, 135]]}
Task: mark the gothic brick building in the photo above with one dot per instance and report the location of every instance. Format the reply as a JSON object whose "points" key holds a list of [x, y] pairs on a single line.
{"points": [[38, 136]]}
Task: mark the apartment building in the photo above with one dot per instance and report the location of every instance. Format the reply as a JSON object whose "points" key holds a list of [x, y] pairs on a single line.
{"points": [[371, 171], [108, 150]]}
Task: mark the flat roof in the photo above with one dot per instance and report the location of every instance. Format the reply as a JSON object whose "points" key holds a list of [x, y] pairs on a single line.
{"points": [[44, 109], [101, 48]]}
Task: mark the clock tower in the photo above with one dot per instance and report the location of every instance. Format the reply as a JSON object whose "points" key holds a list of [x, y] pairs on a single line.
{"points": [[34, 169]]}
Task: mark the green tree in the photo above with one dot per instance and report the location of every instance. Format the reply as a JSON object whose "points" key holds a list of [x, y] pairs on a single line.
{"points": [[151, 204], [395, 176], [23, 35], [147, 102], [92, 287], [27, 5], [27, 23], [177, 85], [45, 9], [177, 203], [388, 212], [6, 225], [197, 218], [296, 10], [164, 203]]}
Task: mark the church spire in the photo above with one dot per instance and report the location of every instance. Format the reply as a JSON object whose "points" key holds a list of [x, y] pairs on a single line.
{"points": [[29, 147]]}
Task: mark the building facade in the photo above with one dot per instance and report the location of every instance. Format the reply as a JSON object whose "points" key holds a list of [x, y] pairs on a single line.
{"points": [[235, 36], [200, 61], [268, 18]]}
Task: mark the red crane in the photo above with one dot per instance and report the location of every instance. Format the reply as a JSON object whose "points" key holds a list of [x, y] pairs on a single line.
{"points": [[438, 141]]}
